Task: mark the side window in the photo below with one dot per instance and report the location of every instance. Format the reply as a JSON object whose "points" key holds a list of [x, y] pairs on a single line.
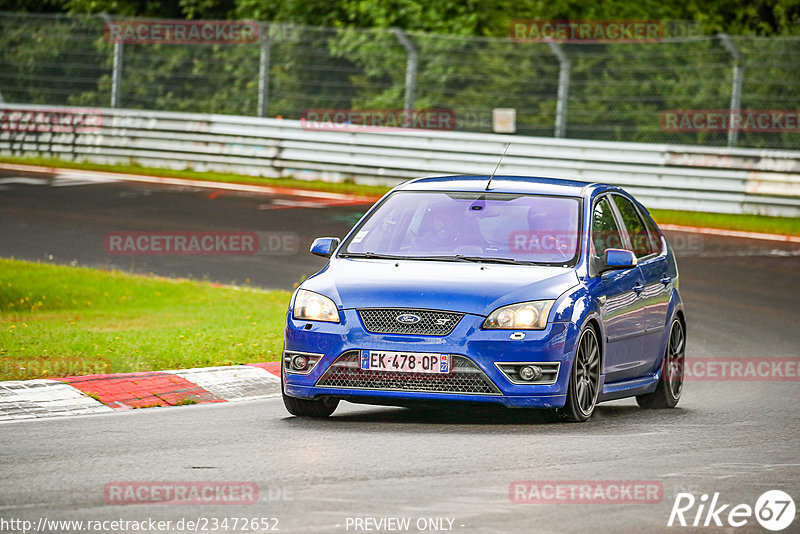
{"points": [[605, 232], [640, 239], [653, 232]]}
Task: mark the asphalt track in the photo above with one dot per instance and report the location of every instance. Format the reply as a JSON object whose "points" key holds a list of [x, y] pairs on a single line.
{"points": [[738, 438], [66, 221]]}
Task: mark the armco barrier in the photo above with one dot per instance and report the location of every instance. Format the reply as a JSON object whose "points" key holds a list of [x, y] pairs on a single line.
{"points": [[662, 176]]}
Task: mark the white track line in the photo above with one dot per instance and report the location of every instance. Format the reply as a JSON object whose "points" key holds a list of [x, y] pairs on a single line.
{"points": [[112, 176], [247, 188], [24, 180]]}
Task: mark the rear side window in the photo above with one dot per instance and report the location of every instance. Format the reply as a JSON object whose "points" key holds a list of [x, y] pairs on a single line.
{"points": [[605, 232], [653, 232], [640, 238]]}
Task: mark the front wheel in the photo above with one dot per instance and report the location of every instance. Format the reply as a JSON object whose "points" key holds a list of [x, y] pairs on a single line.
{"points": [[584, 379], [670, 385], [310, 408], [317, 408]]}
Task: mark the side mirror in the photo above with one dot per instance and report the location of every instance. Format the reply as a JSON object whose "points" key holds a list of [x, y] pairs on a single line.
{"points": [[324, 246], [617, 258]]}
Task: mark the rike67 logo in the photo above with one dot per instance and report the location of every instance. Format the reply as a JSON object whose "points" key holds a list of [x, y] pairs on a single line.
{"points": [[774, 510]]}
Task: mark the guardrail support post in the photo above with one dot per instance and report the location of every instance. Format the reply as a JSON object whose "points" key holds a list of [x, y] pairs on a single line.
{"points": [[563, 89], [263, 71], [411, 72], [736, 89]]}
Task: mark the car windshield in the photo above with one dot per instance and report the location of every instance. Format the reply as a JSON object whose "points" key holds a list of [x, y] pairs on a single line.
{"points": [[481, 227]]}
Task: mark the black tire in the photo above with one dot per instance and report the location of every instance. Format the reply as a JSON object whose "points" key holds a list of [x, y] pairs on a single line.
{"points": [[317, 408], [584, 379], [670, 384]]}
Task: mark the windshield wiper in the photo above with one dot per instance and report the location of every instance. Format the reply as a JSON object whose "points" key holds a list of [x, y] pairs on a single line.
{"points": [[476, 259], [373, 256], [481, 259], [457, 257]]}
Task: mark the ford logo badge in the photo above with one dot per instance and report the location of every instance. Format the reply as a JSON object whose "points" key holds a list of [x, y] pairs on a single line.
{"points": [[408, 318]]}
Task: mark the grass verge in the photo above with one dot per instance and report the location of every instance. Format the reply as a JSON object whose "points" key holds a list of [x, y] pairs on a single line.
{"points": [[747, 223], [62, 321]]}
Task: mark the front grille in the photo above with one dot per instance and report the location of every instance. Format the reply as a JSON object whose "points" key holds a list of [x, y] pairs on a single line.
{"points": [[464, 377], [431, 322]]}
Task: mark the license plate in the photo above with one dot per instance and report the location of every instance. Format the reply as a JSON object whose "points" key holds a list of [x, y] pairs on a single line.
{"points": [[405, 362]]}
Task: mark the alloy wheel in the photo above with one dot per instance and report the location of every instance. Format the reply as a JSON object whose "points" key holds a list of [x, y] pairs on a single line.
{"points": [[675, 359], [587, 371]]}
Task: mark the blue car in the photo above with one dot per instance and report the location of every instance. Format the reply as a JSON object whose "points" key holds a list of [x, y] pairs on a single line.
{"points": [[520, 291]]}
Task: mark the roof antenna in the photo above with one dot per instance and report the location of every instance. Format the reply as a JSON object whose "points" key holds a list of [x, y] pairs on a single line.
{"points": [[497, 166]]}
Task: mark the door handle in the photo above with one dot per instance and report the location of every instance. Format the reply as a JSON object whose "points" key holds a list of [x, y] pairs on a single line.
{"points": [[638, 288]]}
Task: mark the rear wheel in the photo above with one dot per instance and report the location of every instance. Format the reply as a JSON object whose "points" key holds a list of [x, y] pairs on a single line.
{"points": [[584, 379], [308, 407], [670, 385]]}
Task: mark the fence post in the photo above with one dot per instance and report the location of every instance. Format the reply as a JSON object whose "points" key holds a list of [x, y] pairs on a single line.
{"points": [[116, 69], [263, 70], [411, 73], [563, 89], [116, 75], [736, 89]]}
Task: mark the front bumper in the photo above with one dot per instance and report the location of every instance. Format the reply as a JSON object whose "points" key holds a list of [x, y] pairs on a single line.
{"points": [[471, 347]]}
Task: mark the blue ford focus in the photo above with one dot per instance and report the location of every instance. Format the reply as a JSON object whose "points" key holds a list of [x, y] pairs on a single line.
{"points": [[519, 291]]}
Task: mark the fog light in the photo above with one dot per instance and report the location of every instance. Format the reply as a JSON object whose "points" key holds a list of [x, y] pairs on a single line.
{"points": [[530, 373], [299, 363]]}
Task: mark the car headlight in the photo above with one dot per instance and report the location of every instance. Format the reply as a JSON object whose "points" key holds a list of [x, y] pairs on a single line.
{"points": [[522, 316], [314, 307]]}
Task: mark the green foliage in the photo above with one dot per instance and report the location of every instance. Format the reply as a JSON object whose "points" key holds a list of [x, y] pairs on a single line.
{"points": [[616, 91], [459, 17], [37, 51]]}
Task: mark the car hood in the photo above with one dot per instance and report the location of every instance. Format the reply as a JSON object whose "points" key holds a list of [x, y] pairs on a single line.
{"points": [[463, 287]]}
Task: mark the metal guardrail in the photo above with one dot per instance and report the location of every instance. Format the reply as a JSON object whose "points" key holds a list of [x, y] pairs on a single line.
{"points": [[663, 176]]}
